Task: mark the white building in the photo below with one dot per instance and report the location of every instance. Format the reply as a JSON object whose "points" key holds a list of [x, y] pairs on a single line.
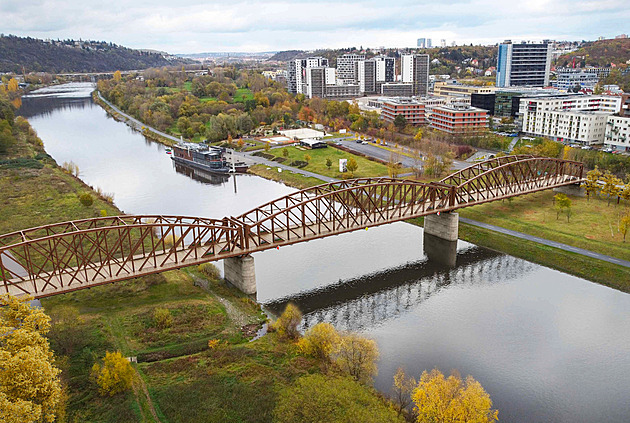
{"points": [[617, 135], [297, 70], [569, 78], [415, 70]]}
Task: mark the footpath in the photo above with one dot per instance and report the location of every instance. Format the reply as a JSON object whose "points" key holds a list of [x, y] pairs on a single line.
{"points": [[249, 158]]}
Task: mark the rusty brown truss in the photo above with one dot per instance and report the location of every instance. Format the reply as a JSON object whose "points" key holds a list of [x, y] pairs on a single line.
{"points": [[67, 256]]}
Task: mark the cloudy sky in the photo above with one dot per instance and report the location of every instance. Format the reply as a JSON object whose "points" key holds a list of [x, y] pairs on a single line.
{"points": [[194, 26]]}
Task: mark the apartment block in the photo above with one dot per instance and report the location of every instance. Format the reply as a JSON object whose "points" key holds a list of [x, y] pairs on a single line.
{"points": [[412, 110], [617, 134], [397, 89], [296, 73], [524, 64], [372, 73], [569, 126], [569, 78], [346, 67], [458, 119], [415, 70]]}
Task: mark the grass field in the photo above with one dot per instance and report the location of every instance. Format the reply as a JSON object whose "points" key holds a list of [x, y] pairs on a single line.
{"points": [[295, 180], [317, 164], [242, 94], [593, 224]]}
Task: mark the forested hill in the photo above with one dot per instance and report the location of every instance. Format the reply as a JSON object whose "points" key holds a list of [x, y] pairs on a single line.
{"points": [[34, 55], [600, 53]]}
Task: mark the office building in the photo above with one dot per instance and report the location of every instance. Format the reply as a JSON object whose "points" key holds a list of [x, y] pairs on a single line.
{"points": [[458, 119], [524, 64], [569, 78], [415, 70], [296, 73], [443, 88], [424, 43], [346, 67], [412, 110]]}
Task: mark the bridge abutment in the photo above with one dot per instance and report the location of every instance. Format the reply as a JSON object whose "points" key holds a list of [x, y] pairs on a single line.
{"points": [[241, 272], [444, 225], [574, 190], [439, 250]]}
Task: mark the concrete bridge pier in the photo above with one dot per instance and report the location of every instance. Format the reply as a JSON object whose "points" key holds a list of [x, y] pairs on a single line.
{"points": [[574, 190], [440, 238], [241, 272]]}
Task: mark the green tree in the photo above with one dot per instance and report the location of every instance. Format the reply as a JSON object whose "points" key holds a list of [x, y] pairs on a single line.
{"points": [[318, 398], [562, 203], [30, 390], [285, 152], [352, 165], [400, 122], [328, 163], [452, 400], [115, 375]]}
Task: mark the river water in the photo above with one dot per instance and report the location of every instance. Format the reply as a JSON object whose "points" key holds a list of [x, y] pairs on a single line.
{"points": [[548, 347]]}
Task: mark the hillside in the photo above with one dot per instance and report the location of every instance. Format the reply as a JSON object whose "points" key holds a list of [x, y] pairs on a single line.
{"points": [[599, 53], [34, 55]]}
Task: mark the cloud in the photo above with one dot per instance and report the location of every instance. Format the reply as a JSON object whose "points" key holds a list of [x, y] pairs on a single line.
{"points": [[242, 25]]}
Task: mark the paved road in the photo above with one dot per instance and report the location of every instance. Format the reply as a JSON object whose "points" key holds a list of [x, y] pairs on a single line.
{"points": [[547, 242]]}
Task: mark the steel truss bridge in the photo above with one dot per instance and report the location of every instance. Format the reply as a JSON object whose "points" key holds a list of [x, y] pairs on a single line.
{"points": [[68, 256]]}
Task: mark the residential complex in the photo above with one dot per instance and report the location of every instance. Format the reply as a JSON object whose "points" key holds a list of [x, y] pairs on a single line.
{"points": [[578, 119], [459, 119], [617, 136], [373, 73], [524, 64], [296, 73], [415, 70], [346, 71]]}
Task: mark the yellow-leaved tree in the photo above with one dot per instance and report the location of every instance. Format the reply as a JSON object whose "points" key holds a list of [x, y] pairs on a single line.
{"points": [[115, 375], [321, 341], [357, 356], [30, 389], [440, 399]]}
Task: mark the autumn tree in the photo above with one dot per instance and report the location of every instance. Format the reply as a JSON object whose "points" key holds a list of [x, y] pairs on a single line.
{"points": [[321, 341], [328, 163], [625, 192], [610, 188], [438, 399], [403, 387], [115, 375], [562, 204], [591, 185], [30, 390], [285, 152], [352, 165], [418, 136], [357, 357], [288, 322], [117, 76], [307, 158], [319, 398]]}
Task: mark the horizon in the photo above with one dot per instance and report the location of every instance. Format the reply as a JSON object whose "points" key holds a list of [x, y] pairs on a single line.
{"points": [[257, 26]]}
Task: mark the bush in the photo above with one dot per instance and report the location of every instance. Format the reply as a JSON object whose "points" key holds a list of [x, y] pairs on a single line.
{"points": [[298, 163], [288, 322], [210, 270], [321, 341], [162, 318], [86, 199], [115, 375], [319, 398]]}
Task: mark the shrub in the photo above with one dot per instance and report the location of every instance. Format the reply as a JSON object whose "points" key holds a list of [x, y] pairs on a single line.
{"points": [[86, 199], [210, 270], [162, 318], [357, 357], [115, 375], [288, 322], [320, 341]]}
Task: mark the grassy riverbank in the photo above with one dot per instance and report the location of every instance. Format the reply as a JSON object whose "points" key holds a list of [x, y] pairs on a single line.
{"points": [[291, 179]]}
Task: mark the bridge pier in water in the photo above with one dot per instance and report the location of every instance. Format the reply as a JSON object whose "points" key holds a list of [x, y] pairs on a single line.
{"points": [[440, 238], [241, 272]]}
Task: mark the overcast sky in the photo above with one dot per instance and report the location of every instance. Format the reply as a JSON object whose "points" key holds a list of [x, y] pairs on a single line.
{"points": [[194, 26]]}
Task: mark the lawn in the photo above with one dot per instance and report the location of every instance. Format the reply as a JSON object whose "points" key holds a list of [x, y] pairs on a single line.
{"points": [[242, 94], [592, 226], [317, 164], [291, 179]]}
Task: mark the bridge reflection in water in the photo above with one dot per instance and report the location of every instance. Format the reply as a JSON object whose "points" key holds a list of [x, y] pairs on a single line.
{"points": [[372, 300]]}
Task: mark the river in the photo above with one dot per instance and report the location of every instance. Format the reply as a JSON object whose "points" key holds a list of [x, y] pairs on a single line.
{"points": [[547, 346]]}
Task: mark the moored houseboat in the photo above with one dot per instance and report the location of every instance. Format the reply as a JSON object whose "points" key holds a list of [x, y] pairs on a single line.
{"points": [[208, 158]]}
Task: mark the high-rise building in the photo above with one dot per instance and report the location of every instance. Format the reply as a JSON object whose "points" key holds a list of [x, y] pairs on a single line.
{"points": [[372, 73], [442, 43], [524, 64], [296, 73], [346, 67], [415, 70], [424, 43]]}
